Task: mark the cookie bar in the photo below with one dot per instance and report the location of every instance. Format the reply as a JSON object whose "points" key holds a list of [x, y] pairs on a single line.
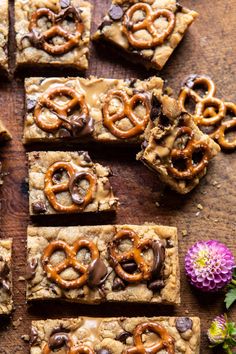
{"points": [[4, 133], [120, 335], [6, 302], [212, 115], [53, 32], [94, 109], [4, 24], [104, 263], [147, 31], [68, 182], [176, 149]]}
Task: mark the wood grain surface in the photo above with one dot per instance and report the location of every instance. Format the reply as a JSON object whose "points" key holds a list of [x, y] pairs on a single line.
{"points": [[209, 47]]}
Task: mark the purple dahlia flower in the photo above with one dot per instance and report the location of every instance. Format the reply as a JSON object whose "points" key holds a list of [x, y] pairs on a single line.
{"points": [[209, 265], [218, 330]]}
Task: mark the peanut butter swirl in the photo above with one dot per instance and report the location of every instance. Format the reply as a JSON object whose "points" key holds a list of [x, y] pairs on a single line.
{"points": [[44, 40]]}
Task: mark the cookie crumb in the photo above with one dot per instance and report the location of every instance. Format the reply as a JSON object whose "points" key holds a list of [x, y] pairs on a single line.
{"points": [[25, 337], [184, 233], [200, 207]]}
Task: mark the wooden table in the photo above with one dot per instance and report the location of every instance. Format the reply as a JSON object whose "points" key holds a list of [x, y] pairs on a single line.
{"points": [[209, 47]]}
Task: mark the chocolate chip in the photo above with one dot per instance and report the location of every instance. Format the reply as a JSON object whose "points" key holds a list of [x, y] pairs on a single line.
{"points": [[158, 258], [31, 269], [57, 176], [86, 156], [118, 284], [179, 7], [183, 324], [39, 207], [169, 243], [65, 3], [81, 125], [103, 351], [105, 23], [116, 12], [97, 272], [4, 270], [58, 340], [30, 104], [123, 336], [33, 336], [132, 83], [5, 285], [156, 285], [129, 266], [75, 190], [156, 108], [64, 133]]}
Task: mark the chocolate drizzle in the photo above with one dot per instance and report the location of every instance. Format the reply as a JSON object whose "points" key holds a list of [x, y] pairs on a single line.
{"points": [[97, 273], [158, 258]]}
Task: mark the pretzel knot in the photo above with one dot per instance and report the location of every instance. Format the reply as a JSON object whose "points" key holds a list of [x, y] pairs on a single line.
{"points": [[61, 111], [166, 342], [45, 40], [70, 261], [66, 341], [135, 254], [80, 197], [130, 27], [225, 127], [185, 154], [139, 123]]}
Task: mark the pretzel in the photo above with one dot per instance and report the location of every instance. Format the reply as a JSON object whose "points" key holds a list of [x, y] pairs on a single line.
{"points": [[166, 342], [71, 347], [145, 270], [54, 271], [220, 133], [44, 40], [148, 24], [61, 111], [209, 111], [51, 189], [186, 154], [139, 124]]}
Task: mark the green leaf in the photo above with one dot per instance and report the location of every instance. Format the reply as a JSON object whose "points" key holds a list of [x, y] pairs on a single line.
{"points": [[230, 298]]}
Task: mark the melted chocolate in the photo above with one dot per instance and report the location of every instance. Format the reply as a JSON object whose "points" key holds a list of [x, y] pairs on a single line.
{"points": [[156, 285], [39, 207], [118, 284], [129, 266], [33, 336], [123, 336], [158, 258], [31, 269], [183, 324], [58, 340], [97, 273], [75, 189]]}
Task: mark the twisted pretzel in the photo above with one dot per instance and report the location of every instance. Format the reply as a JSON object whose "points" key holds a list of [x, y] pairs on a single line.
{"points": [[77, 100], [71, 347], [128, 111], [148, 24], [220, 133], [186, 154], [135, 254], [53, 272], [51, 189], [42, 40], [166, 341]]}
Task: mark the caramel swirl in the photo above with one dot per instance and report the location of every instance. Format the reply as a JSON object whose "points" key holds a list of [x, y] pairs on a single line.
{"points": [[52, 188], [61, 111], [185, 153], [148, 23], [129, 104], [166, 342], [44, 40], [70, 261]]}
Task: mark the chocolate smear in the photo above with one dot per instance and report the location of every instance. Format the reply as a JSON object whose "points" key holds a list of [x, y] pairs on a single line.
{"points": [[97, 273], [123, 336], [39, 207], [31, 269], [183, 324], [118, 284], [158, 258], [116, 12], [81, 125]]}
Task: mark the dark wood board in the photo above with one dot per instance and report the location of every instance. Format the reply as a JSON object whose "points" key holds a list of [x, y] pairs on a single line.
{"points": [[210, 48]]}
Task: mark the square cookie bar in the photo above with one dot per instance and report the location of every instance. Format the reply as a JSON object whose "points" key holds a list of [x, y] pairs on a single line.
{"points": [[176, 149], [68, 182], [147, 31], [6, 302], [53, 32], [122, 263], [4, 25], [120, 335], [93, 109]]}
